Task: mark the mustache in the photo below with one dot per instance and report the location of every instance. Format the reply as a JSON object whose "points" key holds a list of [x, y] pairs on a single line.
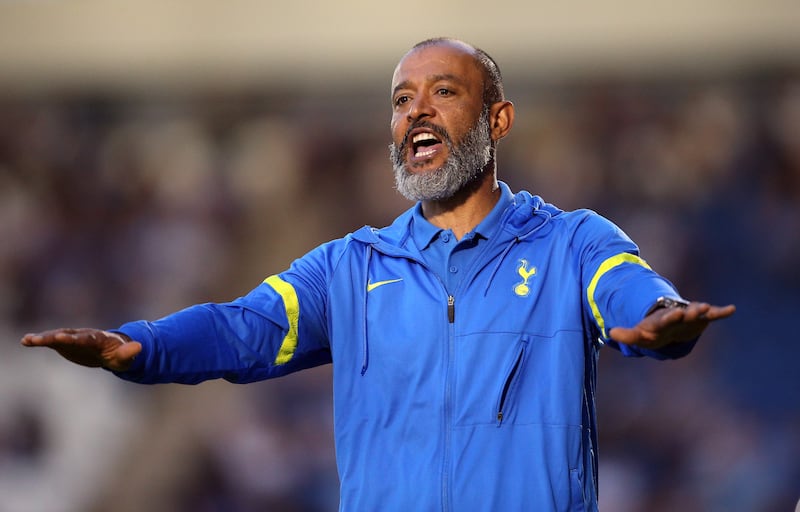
{"points": [[435, 128]]}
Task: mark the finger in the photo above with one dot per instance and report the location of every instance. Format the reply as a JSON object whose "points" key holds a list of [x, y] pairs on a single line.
{"points": [[129, 351], [665, 318], [716, 312], [81, 336], [38, 339], [695, 312], [621, 334], [65, 336], [124, 356], [630, 336]]}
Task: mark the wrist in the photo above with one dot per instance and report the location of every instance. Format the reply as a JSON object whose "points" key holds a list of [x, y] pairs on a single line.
{"points": [[664, 302]]}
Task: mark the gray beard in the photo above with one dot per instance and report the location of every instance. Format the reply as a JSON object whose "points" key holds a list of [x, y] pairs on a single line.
{"points": [[464, 164]]}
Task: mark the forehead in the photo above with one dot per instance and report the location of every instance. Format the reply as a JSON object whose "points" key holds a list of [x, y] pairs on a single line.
{"points": [[443, 59]]}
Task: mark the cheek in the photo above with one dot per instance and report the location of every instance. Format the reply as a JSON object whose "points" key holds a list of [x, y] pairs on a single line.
{"points": [[398, 128], [463, 123], [457, 129]]}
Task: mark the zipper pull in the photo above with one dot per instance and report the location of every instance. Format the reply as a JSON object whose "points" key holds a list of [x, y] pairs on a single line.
{"points": [[451, 309]]}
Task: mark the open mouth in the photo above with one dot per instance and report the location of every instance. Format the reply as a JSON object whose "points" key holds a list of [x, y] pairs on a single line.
{"points": [[425, 144]]}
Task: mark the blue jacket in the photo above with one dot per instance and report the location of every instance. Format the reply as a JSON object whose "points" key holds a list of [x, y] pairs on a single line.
{"points": [[477, 400]]}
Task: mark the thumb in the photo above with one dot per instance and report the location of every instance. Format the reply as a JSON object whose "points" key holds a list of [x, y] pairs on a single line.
{"points": [[124, 355], [625, 335]]}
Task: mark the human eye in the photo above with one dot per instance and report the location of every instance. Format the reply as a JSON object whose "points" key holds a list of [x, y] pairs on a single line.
{"points": [[400, 100], [444, 91]]}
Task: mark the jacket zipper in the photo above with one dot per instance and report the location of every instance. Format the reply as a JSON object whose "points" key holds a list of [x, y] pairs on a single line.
{"points": [[451, 309], [451, 315], [507, 386]]}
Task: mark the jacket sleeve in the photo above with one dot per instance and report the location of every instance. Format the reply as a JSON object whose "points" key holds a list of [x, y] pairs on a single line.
{"points": [[277, 328], [619, 286]]}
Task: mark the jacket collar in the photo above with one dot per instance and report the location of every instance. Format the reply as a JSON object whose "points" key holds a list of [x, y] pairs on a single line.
{"points": [[524, 215], [423, 232]]}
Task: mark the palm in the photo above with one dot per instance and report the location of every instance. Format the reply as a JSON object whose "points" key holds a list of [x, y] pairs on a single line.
{"points": [[675, 325], [87, 347]]}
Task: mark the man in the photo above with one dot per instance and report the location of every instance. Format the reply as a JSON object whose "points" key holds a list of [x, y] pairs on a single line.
{"points": [[464, 336]]}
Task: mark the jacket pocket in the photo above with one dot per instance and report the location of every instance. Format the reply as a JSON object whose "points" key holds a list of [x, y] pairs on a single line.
{"points": [[577, 501], [509, 384]]}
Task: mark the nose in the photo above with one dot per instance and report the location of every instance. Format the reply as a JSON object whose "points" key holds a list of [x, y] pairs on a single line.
{"points": [[420, 108]]}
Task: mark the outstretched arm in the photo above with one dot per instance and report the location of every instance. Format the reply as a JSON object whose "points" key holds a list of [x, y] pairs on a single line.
{"points": [[666, 326], [88, 347]]}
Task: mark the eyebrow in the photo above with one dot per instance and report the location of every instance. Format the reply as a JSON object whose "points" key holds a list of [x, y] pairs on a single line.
{"points": [[432, 78]]}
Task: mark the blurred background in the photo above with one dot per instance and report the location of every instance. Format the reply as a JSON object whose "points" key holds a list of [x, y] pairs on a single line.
{"points": [[158, 154]]}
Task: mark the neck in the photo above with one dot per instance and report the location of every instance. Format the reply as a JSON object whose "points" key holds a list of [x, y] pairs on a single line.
{"points": [[466, 209]]}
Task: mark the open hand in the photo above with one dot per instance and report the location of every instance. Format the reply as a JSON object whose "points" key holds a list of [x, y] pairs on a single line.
{"points": [[88, 347], [671, 325]]}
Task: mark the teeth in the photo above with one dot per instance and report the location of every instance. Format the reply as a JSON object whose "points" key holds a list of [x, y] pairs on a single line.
{"points": [[424, 136]]}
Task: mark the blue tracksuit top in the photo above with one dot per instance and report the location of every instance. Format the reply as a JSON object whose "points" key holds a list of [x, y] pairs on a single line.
{"points": [[481, 399]]}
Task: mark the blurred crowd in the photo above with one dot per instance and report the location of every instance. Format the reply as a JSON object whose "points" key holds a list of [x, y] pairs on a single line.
{"points": [[118, 207]]}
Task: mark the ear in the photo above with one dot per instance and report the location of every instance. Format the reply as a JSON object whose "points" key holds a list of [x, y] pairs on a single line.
{"points": [[501, 119]]}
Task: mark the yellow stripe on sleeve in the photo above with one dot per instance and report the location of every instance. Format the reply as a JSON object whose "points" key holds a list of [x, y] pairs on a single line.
{"points": [[607, 265], [292, 305]]}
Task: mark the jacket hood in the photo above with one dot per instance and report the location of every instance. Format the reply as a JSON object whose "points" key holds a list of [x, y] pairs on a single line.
{"points": [[526, 214]]}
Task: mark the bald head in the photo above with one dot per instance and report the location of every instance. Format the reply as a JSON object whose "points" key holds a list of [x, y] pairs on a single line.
{"points": [[492, 79]]}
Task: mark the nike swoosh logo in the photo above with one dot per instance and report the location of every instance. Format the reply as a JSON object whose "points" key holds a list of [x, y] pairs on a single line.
{"points": [[372, 286]]}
